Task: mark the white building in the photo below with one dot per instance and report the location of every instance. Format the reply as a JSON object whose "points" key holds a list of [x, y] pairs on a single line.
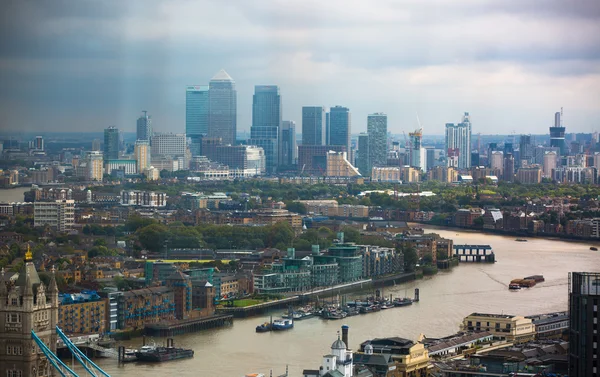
{"points": [[550, 163], [458, 141], [143, 198], [92, 166], [59, 214], [129, 166], [171, 146], [497, 161]]}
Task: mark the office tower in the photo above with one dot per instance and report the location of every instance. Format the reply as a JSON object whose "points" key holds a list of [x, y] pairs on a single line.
{"points": [[363, 159], [557, 134], [431, 157], [550, 163], [144, 127], [222, 118], [508, 148], [38, 143], [196, 115], [313, 125], [111, 143], [168, 144], [327, 125], [474, 159], [96, 145], [509, 168], [141, 152], [417, 154], [526, 148], [458, 142], [584, 299], [497, 162], [266, 120], [288, 150], [93, 166], [377, 130], [340, 128]]}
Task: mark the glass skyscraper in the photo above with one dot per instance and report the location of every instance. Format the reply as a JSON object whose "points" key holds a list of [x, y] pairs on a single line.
{"points": [[313, 125], [266, 120], [288, 151], [196, 115], [222, 119], [363, 159], [111, 143], [377, 130], [340, 127], [458, 143], [144, 127]]}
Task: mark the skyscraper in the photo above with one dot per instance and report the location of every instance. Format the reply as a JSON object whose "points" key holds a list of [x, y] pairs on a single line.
{"points": [[196, 115], [313, 125], [266, 120], [144, 127], [288, 150], [509, 168], [222, 119], [418, 154], [377, 130], [363, 159], [557, 134], [141, 151], [458, 140], [111, 143], [340, 128], [584, 298], [526, 148]]}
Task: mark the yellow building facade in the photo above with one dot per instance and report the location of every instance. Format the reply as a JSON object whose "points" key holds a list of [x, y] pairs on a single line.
{"points": [[517, 329]]}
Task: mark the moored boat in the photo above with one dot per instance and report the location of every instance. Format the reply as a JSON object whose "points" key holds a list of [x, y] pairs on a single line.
{"points": [[403, 301], [282, 324], [160, 354], [514, 287], [265, 327]]}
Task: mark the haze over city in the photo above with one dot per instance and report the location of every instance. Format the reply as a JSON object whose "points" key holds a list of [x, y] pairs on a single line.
{"points": [[67, 66]]}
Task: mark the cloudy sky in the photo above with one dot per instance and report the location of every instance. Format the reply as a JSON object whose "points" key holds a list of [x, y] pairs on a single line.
{"points": [[85, 65]]}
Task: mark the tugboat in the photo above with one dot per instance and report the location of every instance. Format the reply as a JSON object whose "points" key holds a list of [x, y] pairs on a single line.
{"points": [[265, 327], [160, 354], [282, 324]]}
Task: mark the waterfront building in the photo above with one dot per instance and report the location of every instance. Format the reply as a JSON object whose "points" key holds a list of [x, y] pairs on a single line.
{"points": [[551, 325], [529, 175], [144, 127], [456, 344], [139, 307], [379, 261], [286, 275], [339, 166], [82, 313], [340, 128], [426, 244], [222, 118], [196, 115], [129, 167], [141, 155], [140, 198], [458, 143], [313, 125], [393, 357], [363, 161], [111, 143], [181, 285], [203, 298], [205, 275], [349, 259], [27, 305], [266, 122], [516, 329], [584, 298], [59, 214], [377, 131], [288, 148], [312, 159]]}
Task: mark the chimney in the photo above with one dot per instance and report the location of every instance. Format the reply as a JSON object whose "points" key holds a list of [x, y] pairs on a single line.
{"points": [[345, 336]]}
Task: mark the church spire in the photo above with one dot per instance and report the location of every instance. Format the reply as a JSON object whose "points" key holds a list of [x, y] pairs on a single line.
{"points": [[28, 255], [52, 286]]}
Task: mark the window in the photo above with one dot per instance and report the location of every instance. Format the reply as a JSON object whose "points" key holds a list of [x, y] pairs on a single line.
{"points": [[14, 302]]}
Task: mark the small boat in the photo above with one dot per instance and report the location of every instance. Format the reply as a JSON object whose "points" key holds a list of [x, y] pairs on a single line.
{"points": [[365, 310], [536, 278], [333, 314], [282, 324], [160, 354], [403, 301], [594, 248], [514, 287], [265, 327], [521, 240]]}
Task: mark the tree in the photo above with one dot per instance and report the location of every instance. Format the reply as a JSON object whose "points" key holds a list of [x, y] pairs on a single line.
{"points": [[351, 235], [297, 207], [100, 242], [153, 237], [478, 222], [427, 259], [410, 258]]}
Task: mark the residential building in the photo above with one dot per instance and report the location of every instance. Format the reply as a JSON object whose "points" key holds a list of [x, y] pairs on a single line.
{"points": [[465, 217], [82, 313], [339, 166], [509, 168], [139, 307], [129, 167], [312, 159], [379, 261], [442, 174], [140, 198], [497, 161], [181, 285], [288, 148], [417, 154], [144, 127], [408, 174], [333, 209], [196, 115], [584, 299], [458, 143], [574, 174], [141, 154], [377, 131], [59, 214], [551, 325], [349, 259], [550, 162], [493, 219], [222, 116], [242, 160], [340, 128], [25, 307], [93, 166], [526, 148], [386, 174], [530, 175], [168, 145], [363, 161], [111, 143], [313, 125], [517, 329]]}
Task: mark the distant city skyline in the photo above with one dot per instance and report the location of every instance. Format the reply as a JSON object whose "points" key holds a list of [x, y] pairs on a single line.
{"points": [[510, 64]]}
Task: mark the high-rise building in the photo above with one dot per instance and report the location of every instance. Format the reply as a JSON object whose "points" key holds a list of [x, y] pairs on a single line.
{"points": [[93, 166], [266, 120], [509, 168], [340, 127], [29, 306], [327, 125], [377, 130], [550, 163], [584, 300], [312, 159], [59, 215], [526, 150], [222, 118], [196, 115], [557, 134], [313, 125], [144, 127], [417, 154], [363, 162], [458, 141], [141, 152], [168, 144], [497, 162], [530, 175], [96, 145], [111, 143], [288, 149], [38, 143]]}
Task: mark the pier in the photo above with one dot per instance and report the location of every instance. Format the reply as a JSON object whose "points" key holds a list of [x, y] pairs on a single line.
{"points": [[168, 329], [474, 253]]}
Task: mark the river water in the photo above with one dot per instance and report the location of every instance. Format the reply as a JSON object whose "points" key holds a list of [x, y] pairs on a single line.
{"points": [[445, 300]]}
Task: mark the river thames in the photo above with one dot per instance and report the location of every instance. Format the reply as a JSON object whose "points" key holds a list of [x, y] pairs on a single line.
{"points": [[445, 300]]}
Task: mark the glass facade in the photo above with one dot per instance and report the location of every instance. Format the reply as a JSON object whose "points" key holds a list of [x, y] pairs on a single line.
{"points": [[111, 143], [340, 127], [196, 115], [222, 119], [144, 127], [313, 125], [288, 150], [377, 130], [363, 161]]}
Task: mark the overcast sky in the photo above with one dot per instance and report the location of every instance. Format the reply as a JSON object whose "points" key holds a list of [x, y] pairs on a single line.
{"points": [[85, 65]]}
